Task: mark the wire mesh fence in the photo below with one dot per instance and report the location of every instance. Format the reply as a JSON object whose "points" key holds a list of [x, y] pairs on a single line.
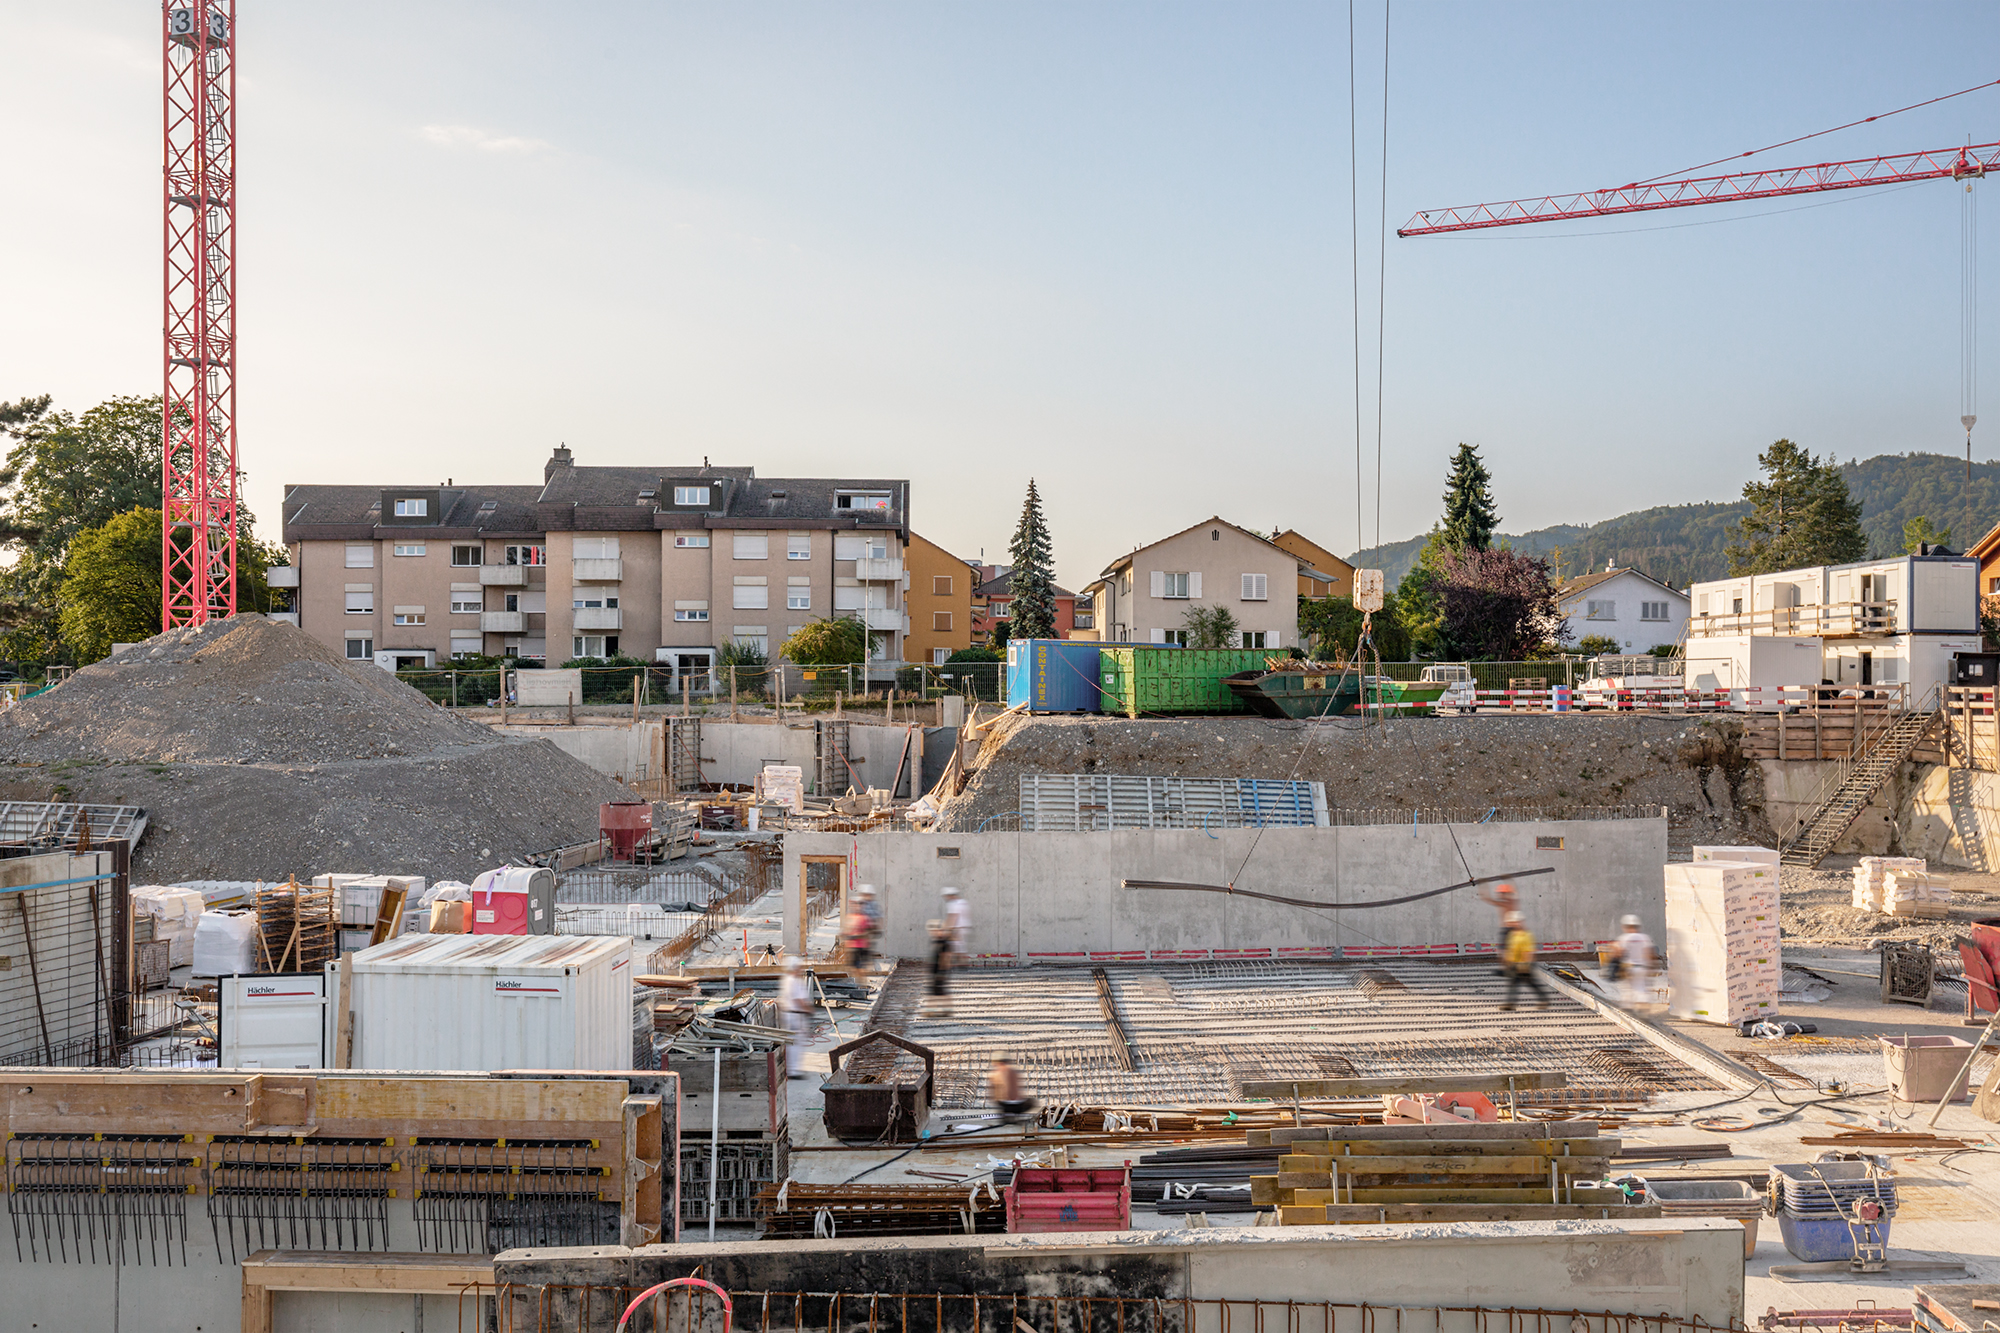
{"points": [[667, 685]]}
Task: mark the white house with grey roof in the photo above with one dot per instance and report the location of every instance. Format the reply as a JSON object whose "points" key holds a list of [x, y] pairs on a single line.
{"points": [[1633, 608], [662, 563]]}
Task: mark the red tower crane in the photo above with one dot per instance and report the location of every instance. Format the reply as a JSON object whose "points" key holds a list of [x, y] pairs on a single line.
{"points": [[198, 429], [1955, 163]]}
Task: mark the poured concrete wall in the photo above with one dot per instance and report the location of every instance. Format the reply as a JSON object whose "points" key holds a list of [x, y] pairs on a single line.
{"points": [[1944, 814], [1684, 1269], [734, 753], [1054, 894]]}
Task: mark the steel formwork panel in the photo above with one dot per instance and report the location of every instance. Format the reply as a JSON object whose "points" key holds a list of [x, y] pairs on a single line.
{"points": [[1088, 802]]}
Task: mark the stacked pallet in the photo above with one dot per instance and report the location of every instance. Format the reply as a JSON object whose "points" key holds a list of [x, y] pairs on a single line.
{"points": [[1722, 935], [295, 927], [1496, 1171], [1871, 876], [1915, 893]]}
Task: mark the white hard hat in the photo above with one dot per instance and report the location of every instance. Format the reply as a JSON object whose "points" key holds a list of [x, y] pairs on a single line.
{"points": [[865, 891], [1630, 922], [951, 892]]}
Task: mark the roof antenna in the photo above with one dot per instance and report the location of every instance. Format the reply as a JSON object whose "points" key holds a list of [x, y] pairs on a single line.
{"points": [[704, 462]]}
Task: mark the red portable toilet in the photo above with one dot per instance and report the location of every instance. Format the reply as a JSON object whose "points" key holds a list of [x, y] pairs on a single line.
{"points": [[514, 900]]}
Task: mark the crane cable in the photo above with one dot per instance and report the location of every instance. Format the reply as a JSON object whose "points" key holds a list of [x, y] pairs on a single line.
{"points": [[1968, 334]]}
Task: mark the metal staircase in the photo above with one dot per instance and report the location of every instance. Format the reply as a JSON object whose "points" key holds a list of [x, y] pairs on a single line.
{"points": [[1875, 755]]}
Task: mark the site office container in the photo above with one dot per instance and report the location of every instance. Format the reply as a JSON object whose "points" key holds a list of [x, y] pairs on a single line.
{"points": [[1168, 679], [486, 1002], [1053, 675]]}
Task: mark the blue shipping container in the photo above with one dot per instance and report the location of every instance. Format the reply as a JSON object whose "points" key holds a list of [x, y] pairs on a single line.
{"points": [[1052, 676]]}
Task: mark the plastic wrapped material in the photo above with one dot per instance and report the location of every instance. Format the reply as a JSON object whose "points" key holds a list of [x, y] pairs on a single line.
{"points": [[225, 944], [176, 912]]}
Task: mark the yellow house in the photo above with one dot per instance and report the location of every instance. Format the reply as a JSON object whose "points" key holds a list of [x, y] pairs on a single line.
{"points": [[939, 600], [1339, 575]]}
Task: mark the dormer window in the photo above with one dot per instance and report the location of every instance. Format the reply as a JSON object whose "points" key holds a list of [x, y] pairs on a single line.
{"points": [[691, 495], [412, 508], [875, 500]]}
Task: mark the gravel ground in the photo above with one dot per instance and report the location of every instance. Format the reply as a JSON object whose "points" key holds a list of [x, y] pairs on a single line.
{"points": [[1548, 761], [1817, 907], [258, 753]]}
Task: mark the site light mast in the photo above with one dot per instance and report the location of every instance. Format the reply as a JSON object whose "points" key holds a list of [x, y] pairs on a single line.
{"points": [[198, 425]]}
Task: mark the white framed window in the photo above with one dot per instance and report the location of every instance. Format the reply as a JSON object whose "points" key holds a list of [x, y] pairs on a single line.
{"points": [[691, 617], [941, 622], [751, 546], [594, 645], [691, 495], [751, 598], [409, 617], [361, 555], [1171, 636], [939, 656], [849, 598], [760, 641], [1256, 588], [412, 508], [799, 546], [1003, 610], [510, 601], [594, 548], [1600, 610], [940, 585], [1176, 585], [360, 603], [467, 645], [410, 548], [1652, 610], [688, 541], [1254, 638], [875, 500], [525, 555], [465, 604], [592, 598], [360, 650], [464, 556], [798, 599], [860, 546]]}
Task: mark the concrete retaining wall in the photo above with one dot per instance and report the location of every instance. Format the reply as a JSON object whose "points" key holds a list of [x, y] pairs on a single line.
{"points": [[1947, 815], [1683, 1269], [1056, 894], [735, 752]]}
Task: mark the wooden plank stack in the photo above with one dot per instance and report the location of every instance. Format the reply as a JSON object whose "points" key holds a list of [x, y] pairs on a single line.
{"points": [[1493, 1171], [1871, 878]]}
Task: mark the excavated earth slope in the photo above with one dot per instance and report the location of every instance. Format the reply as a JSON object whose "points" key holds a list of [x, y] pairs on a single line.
{"points": [[259, 753], [1550, 762]]}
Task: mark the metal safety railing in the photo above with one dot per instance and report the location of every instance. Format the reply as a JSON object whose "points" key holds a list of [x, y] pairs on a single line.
{"points": [[577, 1308]]}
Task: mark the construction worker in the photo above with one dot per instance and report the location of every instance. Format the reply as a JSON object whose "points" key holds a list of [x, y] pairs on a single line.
{"points": [[1003, 1085], [795, 1009], [1504, 898], [1517, 959], [948, 936], [860, 927], [1634, 956]]}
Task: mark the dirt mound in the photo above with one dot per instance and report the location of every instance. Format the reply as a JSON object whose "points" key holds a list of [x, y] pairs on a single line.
{"points": [[1548, 761], [258, 754], [244, 690]]}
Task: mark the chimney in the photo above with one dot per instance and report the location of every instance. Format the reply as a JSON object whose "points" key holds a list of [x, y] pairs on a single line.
{"points": [[560, 460]]}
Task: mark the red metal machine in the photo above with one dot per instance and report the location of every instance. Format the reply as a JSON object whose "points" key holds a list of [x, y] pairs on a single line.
{"points": [[626, 825], [198, 508], [1041, 1198]]}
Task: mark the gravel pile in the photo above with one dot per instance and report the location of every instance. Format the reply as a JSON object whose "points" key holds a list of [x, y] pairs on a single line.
{"points": [[1548, 761], [258, 753]]}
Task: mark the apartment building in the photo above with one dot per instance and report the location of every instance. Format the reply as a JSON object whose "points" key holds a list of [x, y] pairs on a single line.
{"points": [[662, 563], [1144, 597], [993, 606], [937, 594]]}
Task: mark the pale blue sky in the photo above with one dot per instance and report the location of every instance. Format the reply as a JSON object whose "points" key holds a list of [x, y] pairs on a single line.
{"points": [[1103, 244]]}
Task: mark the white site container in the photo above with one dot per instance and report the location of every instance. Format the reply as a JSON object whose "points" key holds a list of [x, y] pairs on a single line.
{"points": [[487, 1002]]}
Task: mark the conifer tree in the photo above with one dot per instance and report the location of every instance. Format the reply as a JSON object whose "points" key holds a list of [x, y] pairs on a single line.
{"points": [[1801, 514], [1033, 585], [1469, 517]]}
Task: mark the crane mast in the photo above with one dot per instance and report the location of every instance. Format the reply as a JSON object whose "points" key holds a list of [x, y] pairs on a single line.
{"points": [[198, 426]]}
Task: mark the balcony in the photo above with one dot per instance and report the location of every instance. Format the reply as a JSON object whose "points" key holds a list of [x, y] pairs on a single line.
{"points": [[595, 617], [502, 622], [883, 618], [289, 617], [1839, 620], [503, 576], [879, 571], [282, 576], [597, 571]]}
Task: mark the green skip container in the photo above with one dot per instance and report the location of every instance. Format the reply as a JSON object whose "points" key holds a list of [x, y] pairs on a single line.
{"points": [[1141, 680]]}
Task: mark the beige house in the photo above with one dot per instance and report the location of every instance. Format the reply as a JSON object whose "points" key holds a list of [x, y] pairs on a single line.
{"points": [[666, 564], [1144, 597]]}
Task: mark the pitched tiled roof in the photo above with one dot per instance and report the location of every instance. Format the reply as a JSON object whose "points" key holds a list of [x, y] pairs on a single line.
{"points": [[1003, 586], [1585, 582], [318, 508]]}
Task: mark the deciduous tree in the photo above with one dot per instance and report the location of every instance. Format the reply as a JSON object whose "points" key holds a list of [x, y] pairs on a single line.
{"points": [[1498, 604]]}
